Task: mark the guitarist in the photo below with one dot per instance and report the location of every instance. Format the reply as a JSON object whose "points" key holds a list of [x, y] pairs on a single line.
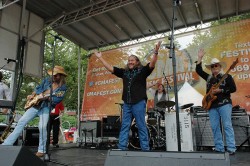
{"points": [[221, 108], [43, 108]]}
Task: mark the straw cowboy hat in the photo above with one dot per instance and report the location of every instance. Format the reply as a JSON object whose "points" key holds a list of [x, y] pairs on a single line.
{"points": [[57, 70], [216, 61]]}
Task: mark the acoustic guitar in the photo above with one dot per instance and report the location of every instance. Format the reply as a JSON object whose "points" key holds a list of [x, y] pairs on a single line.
{"points": [[209, 97]]}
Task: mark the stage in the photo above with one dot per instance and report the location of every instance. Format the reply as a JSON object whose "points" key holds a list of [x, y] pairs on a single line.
{"points": [[71, 155]]}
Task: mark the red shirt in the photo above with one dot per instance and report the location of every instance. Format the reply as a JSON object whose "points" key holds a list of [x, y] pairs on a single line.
{"points": [[59, 107]]}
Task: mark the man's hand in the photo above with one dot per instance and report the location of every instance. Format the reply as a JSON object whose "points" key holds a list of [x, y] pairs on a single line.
{"points": [[201, 53], [30, 97], [5, 110], [98, 54], [157, 46], [216, 91]]}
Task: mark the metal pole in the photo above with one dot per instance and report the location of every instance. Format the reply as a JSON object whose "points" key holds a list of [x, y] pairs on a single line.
{"points": [[172, 55], [79, 95]]}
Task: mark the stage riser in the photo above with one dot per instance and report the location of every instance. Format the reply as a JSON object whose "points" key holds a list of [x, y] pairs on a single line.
{"points": [[132, 158]]}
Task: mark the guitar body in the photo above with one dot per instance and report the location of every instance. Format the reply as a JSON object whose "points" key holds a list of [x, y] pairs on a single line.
{"points": [[32, 102], [208, 100]]}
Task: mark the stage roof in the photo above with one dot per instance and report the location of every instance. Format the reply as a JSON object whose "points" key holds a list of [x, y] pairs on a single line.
{"points": [[98, 23]]}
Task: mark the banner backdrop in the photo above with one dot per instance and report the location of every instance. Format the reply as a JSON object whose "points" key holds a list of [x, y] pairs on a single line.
{"points": [[102, 94]]}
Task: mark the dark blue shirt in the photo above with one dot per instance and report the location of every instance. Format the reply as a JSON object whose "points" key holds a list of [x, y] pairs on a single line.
{"points": [[57, 94]]}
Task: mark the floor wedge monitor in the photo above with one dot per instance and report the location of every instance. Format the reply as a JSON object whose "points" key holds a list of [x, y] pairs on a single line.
{"points": [[139, 158], [18, 156]]}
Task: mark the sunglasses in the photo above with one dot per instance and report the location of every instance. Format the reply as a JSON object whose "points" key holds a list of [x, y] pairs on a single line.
{"points": [[57, 75], [215, 65]]}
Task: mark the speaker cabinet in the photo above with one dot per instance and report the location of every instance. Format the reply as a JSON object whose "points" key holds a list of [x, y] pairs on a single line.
{"points": [[113, 119], [31, 136], [111, 130], [94, 125], [240, 126], [203, 131], [19, 156], [136, 158]]}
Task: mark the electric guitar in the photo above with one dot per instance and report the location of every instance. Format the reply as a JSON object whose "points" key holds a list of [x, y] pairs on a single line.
{"points": [[36, 99], [209, 97]]}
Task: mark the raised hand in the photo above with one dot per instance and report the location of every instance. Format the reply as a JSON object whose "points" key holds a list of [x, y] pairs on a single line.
{"points": [[157, 46], [98, 54], [201, 53]]}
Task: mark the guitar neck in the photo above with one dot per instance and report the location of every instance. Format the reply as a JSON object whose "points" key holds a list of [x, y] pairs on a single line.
{"points": [[222, 79]]}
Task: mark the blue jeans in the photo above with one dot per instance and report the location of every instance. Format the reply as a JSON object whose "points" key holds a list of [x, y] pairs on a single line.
{"points": [[137, 111], [216, 115], [30, 114]]}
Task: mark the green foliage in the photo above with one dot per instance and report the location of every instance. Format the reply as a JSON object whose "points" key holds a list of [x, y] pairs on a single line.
{"points": [[66, 55]]}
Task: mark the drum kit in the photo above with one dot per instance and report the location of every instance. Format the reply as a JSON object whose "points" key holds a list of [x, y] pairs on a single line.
{"points": [[155, 125]]}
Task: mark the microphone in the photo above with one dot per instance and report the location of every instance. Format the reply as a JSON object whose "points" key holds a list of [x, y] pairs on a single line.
{"points": [[10, 60], [177, 2], [57, 37]]}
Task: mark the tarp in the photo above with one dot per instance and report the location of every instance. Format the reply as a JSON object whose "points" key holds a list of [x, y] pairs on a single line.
{"points": [[187, 94]]}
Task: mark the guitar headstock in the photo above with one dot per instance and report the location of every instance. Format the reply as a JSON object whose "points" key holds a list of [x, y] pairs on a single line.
{"points": [[234, 63]]}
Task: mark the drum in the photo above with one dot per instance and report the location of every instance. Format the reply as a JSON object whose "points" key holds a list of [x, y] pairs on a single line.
{"points": [[134, 141], [151, 118], [162, 123]]}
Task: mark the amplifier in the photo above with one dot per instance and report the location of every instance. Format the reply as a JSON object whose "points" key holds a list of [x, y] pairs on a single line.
{"points": [[111, 130], [204, 134], [113, 119], [203, 131], [31, 136], [240, 126]]}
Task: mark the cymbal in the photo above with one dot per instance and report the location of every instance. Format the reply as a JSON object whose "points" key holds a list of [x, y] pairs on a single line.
{"points": [[186, 106], [165, 104]]}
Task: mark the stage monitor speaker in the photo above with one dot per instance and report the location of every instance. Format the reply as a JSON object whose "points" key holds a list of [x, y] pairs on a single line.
{"points": [[203, 131], [31, 136], [94, 125], [136, 158], [19, 156]]}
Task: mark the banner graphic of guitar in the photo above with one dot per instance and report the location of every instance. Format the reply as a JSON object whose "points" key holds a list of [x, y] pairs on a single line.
{"points": [[209, 97], [35, 100]]}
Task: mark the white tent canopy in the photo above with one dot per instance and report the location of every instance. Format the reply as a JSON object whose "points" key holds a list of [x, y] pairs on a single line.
{"points": [[187, 94]]}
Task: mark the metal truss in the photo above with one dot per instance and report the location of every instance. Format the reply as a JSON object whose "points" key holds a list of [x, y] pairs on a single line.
{"points": [[6, 3], [95, 8], [179, 32]]}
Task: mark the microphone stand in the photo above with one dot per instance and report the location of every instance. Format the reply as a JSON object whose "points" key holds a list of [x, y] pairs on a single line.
{"points": [[168, 86], [4, 65], [172, 55], [47, 155]]}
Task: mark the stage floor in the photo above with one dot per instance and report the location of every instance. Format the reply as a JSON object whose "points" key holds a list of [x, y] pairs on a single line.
{"points": [[71, 155]]}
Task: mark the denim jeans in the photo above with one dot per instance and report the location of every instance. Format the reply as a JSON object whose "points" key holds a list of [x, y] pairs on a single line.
{"points": [[30, 114], [216, 115], [137, 111]]}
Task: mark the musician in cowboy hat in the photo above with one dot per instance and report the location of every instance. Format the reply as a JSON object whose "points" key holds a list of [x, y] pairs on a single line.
{"points": [[41, 107], [221, 108]]}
